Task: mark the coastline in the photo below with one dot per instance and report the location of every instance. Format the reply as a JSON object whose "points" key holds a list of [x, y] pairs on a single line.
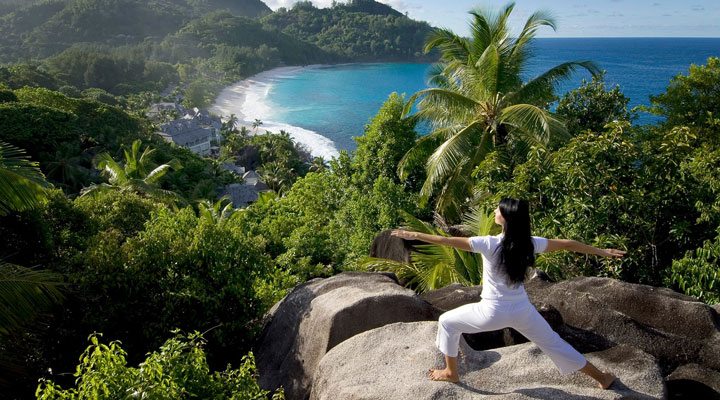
{"points": [[248, 100]]}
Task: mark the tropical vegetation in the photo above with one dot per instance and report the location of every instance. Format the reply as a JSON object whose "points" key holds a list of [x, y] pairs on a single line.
{"points": [[83, 206]]}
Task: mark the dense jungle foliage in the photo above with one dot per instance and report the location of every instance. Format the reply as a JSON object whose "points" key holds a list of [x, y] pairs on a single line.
{"points": [[107, 228]]}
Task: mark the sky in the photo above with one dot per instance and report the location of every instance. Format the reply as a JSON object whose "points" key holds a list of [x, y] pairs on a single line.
{"points": [[575, 18]]}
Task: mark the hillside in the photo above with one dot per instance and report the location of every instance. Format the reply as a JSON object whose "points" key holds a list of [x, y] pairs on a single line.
{"points": [[127, 47], [357, 31], [42, 29]]}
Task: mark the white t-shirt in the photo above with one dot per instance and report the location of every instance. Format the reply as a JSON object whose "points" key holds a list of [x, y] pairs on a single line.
{"points": [[494, 285]]}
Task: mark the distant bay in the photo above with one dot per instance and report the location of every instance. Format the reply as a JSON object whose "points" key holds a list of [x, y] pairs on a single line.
{"points": [[324, 107]]}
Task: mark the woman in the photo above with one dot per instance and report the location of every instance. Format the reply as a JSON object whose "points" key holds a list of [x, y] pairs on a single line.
{"points": [[506, 259]]}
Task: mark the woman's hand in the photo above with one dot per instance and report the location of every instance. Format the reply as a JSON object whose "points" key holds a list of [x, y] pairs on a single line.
{"points": [[613, 253], [404, 234]]}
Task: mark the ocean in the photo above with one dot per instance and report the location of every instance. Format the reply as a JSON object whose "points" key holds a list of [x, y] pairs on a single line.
{"points": [[325, 106]]}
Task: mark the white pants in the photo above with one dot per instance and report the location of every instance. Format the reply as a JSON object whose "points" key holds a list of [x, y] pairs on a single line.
{"points": [[521, 315]]}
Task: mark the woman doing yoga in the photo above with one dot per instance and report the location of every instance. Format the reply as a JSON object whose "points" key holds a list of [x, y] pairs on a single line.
{"points": [[506, 259]]}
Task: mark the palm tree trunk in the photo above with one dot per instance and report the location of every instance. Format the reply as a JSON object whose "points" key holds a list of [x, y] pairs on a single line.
{"points": [[501, 135]]}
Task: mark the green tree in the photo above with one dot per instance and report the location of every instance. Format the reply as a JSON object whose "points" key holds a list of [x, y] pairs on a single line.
{"points": [[387, 138], [592, 106], [692, 99], [481, 103], [697, 274], [135, 175]]}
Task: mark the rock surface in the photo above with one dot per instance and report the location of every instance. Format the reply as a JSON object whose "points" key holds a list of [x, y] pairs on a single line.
{"points": [[452, 296], [320, 314], [391, 362], [675, 328], [693, 381]]}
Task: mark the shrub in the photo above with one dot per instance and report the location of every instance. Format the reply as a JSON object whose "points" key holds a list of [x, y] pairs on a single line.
{"points": [[698, 274], [179, 370]]}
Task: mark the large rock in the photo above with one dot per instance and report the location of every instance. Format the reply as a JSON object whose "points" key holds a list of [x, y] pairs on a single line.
{"points": [[391, 362], [692, 381], [452, 296], [320, 314], [675, 328]]}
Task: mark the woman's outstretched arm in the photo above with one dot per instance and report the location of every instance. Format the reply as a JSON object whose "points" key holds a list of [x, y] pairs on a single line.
{"points": [[461, 243], [578, 247]]}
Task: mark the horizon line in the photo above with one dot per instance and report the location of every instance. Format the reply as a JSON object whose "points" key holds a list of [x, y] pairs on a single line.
{"points": [[627, 37]]}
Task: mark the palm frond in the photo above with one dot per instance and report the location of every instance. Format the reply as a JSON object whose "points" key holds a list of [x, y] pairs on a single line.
{"points": [[419, 153], [115, 172], [450, 155], [537, 20], [489, 64], [22, 184], [540, 86], [24, 292], [479, 221], [451, 45], [406, 272], [532, 122], [154, 176], [96, 189], [448, 98]]}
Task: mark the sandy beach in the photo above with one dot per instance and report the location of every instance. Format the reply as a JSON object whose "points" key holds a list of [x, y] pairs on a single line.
{"points": [[248, 100]]}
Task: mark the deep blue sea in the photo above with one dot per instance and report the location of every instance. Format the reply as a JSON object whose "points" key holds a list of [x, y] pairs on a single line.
{"points": [[326, 106]]}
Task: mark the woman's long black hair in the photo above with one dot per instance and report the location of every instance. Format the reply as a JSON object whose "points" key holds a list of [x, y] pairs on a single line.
{"points": [[517, 252]]}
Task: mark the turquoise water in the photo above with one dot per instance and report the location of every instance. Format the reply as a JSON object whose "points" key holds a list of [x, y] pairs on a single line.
{"points": [[337, 101]]}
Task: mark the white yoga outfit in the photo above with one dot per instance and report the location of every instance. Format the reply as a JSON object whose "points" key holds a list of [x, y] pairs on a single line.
{"points": [[504, 306]]}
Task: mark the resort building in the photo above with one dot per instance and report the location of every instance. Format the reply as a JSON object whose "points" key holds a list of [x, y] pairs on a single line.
{"points": [[246, 193], [196, 129]]}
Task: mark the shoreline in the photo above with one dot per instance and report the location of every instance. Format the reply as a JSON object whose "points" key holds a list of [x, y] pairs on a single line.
{"points": [[253, 92]]}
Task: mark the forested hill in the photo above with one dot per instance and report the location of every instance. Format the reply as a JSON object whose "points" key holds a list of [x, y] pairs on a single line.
{"points": [[41, 29], [355, 31], [126, 47]]}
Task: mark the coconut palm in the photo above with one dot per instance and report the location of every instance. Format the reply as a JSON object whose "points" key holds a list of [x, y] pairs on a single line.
{"points": [[480, 103], [277, 176], [68, 168], [135, 175], [318, 164]]}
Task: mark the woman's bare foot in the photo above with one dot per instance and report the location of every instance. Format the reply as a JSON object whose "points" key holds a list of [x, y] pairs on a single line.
{"points": [[443, 375], [606, 380]]}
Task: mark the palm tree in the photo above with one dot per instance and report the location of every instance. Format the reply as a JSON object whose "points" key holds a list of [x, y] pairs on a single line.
{"points": [[135, 175], [23, 291], [318, 164], [229, 127], [256, 124], [481, 104], [277, 176], [67, 167]]}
